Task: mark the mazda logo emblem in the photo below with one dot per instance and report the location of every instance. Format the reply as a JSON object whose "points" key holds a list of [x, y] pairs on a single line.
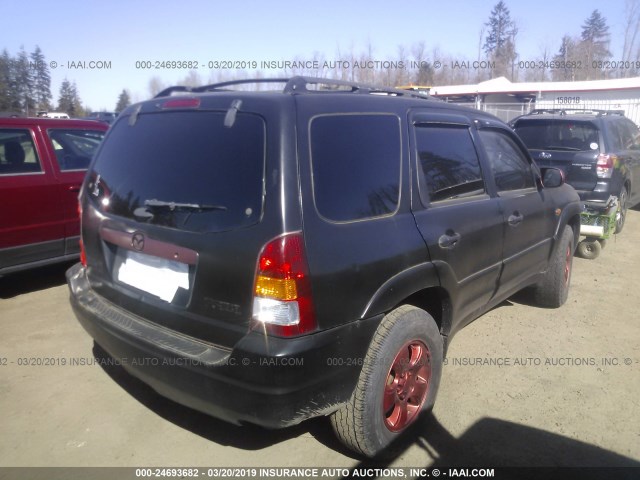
{"points": [[137, 241]]}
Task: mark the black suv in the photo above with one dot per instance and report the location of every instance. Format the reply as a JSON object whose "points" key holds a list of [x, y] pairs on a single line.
{"points": [[267, 257], [598, 150]]}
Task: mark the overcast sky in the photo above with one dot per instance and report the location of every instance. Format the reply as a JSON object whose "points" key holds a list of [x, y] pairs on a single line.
{"points": [[124, 32]]}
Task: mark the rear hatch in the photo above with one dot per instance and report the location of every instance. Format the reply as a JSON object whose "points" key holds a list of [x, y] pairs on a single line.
{"points": [[571, 145], [171, 206]]}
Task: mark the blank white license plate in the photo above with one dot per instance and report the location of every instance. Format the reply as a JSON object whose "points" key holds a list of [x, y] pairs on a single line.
{"points": [[154, 275]]}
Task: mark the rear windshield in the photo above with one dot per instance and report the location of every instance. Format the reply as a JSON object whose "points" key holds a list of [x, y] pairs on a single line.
{"points": [[183, 170], [558, 135]]}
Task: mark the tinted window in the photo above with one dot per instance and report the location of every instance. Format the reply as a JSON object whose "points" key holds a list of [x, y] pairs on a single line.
{"points": [[17, 152], [634, 133], [628, 133], [189, 158], [448, 162], [511, 169], [75, 148], [356, 165], [558, 135]]}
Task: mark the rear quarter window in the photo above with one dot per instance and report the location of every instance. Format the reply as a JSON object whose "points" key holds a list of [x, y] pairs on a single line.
{"points": [[74, 149], [356, 160]]}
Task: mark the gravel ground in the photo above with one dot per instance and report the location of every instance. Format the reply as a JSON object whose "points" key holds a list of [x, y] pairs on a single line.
{"points": [[523, 386]]}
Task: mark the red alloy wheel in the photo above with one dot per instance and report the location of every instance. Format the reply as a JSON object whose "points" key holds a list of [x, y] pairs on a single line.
{"points": [[567, 266], [407, 385]]}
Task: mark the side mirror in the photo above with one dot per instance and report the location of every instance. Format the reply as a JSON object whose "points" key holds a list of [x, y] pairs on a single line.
{"points": [[552, 177]]}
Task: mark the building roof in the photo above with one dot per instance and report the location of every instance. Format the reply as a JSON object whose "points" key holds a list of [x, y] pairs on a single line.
{"points": [[502, 85]]}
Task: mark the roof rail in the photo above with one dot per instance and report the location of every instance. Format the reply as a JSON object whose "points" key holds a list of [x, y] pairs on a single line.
{"points": [[576, 111], [299, 85]]}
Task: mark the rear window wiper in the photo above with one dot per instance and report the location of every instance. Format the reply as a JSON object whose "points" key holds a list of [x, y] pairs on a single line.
{"points": [[192, 207], [558, 147]]}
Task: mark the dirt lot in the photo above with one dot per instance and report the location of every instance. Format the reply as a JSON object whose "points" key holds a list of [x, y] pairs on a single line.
{"points": [[523, 386]]}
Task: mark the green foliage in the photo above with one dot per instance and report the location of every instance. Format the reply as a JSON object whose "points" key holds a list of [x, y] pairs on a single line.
{"points": [[124, 100], [500, 45], [41, 80], [69, 100], [25, 82]]}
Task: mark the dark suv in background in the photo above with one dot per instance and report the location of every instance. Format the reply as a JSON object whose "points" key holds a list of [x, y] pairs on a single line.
{"points": [[105, 117], [598, 150], [268, 257]]}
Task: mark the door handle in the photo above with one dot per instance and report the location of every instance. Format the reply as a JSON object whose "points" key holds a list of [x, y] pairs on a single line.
{"points": [[74, 188], [449, 241], [515, 219]]}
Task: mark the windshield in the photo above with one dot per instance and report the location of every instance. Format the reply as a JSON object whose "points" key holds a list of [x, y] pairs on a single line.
{"points": [[562, 134], [184, 159]]}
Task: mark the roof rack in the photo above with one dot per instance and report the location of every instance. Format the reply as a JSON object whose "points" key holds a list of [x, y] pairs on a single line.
{"points": [[298, 85], [576, 111]]}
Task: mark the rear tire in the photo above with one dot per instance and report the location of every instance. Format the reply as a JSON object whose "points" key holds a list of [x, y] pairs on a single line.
{"points": [[552, 291], [589, 248], [398, 382]]}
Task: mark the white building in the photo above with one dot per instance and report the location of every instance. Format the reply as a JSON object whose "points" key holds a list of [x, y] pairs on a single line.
{"points": [[507, 100]]}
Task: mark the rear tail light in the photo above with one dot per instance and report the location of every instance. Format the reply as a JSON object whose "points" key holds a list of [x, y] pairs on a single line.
{"points": [[83, 254], [605, 165], [282, 301]]}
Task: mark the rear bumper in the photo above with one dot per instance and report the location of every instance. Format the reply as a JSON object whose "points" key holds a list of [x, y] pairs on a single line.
{"points": [[265, 381]]}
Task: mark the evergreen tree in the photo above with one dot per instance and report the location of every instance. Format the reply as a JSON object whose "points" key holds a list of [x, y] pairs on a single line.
{"points": [[69, 100], [499, 45], [124, 100], [41, 80], [22, 83], [6, 93], [595, 43], [565, 60]]}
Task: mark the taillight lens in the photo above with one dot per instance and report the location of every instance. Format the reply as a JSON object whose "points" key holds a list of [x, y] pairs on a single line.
{"points": [[605, 165], [282, 301], [83, 253], [181, 103]]}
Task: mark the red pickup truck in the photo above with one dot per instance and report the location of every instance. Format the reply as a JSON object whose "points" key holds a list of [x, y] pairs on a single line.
{"points": [[42, 164]]}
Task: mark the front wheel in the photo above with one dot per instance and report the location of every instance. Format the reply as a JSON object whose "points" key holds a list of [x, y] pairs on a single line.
{"points": [[399, 381]]}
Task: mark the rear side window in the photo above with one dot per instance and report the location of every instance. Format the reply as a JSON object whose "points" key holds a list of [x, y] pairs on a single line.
{"points": [[511, 169], [356, 165], [17, 152], [183, 170], [567, 135], [448, 162], [624, 134], [75, 148]]}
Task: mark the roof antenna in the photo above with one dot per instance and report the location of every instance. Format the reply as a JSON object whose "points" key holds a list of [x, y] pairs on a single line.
{"points": [[230, 117]]}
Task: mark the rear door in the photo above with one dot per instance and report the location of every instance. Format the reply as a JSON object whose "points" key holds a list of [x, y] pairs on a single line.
{"points": [[71, 150], [358, 225], [528, 211], [31, 226], [458, 219]]}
